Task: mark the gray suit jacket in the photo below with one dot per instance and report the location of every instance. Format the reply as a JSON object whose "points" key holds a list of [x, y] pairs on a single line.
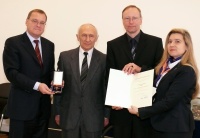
{"points": [[75, 103]]}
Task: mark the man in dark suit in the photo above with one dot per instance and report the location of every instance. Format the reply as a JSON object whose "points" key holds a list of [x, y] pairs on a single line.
{"points": [[145, 51], [80, 106], [30, 74]]}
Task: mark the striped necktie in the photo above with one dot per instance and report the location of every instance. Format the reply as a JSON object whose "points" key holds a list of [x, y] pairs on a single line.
{"points": [[84, 69], [37, 51], [133, 46]]}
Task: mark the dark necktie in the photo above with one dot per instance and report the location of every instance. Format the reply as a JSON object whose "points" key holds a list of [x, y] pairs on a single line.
{"points": [[37, 51], [84, 69], [133, 46]]}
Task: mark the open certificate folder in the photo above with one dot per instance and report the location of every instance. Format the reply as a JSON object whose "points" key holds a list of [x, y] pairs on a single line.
{"points": [[126, 90]]}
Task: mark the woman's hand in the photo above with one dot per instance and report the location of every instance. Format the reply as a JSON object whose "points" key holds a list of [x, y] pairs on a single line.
{"points": [[133, 110]]}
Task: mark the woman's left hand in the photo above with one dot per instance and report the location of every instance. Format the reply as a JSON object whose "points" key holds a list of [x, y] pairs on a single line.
{"points": [[133, 110]]}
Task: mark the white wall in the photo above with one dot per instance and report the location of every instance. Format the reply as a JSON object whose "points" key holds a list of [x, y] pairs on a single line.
{"points": [[65, 16]]}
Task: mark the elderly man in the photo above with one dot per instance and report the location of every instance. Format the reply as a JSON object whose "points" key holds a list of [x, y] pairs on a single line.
{"points": [[80, 107]]}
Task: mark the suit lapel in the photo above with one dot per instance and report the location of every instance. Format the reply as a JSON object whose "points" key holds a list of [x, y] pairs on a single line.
{"points": [[141, 45], [170, 71], [45, 48], [75, 65], [125, 46], [29, 47]]}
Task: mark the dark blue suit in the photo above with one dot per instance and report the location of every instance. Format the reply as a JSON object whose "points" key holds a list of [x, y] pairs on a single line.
{"points": [[23, 70], [171, 112]]}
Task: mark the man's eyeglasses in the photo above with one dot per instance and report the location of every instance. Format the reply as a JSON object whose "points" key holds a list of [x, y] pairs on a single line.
{"points": [[36, 22], [128, 19]]}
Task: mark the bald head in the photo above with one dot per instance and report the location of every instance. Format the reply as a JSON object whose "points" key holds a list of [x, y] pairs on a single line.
{"points": [[87, 36], [87, 26]]}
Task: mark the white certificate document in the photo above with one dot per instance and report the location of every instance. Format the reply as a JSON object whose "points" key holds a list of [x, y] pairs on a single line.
{"points": [[126, 90]]}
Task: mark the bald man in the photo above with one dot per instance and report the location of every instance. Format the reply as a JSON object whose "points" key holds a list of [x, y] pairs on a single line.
{"points": [[80, 107]]}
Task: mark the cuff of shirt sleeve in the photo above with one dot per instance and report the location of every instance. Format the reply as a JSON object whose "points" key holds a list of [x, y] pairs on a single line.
{"points": [[36, 86]]}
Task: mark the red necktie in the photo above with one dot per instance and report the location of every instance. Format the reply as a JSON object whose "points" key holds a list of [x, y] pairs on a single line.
{"points": [[37, 51]]}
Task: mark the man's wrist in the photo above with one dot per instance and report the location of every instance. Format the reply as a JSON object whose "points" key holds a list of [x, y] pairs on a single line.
{"points": [[36, 86]]}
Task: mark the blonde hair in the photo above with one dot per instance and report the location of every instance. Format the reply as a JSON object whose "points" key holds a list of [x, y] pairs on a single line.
{"points": [[187, 58]]}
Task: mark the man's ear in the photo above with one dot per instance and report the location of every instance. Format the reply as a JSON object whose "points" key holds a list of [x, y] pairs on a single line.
{"points": [[77, 37], [97, 37]]}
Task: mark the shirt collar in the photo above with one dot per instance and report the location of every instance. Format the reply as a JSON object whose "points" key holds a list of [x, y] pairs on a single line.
{"points": [[137, 37], [171, 65], [31, 38], [89, 51]]}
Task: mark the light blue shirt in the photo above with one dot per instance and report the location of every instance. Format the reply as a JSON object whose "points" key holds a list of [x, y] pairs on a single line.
{"points": [[40, 47]]}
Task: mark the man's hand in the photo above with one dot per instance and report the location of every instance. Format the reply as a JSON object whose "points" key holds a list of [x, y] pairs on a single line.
{"points": [[106, 122], [57, 119], [44, 89], [116, 108], [131, 68]]}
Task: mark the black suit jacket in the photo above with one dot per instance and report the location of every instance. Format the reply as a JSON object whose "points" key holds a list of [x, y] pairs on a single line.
{"points": [[87, 103], [171, 111], [148, 54], [23, 70]]}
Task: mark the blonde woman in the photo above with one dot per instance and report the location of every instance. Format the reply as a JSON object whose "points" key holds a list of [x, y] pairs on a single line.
{"points": [[177, 84]]}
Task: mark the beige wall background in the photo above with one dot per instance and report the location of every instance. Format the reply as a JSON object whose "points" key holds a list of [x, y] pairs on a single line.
{"points": [[65, 16]]}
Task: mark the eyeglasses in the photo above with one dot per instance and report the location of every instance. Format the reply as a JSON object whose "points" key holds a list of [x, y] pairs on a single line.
{"points": [[128, 19], [36, 22]]}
